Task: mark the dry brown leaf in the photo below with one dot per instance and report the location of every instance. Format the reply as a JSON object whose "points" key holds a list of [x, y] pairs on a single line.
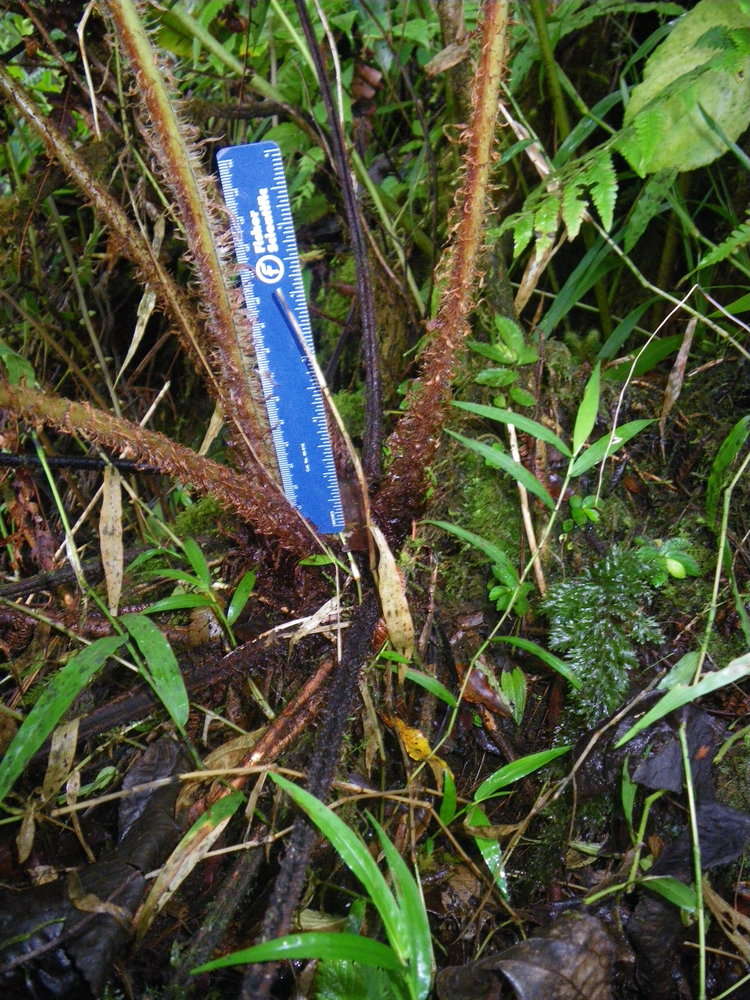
{"points": [[735, 925], [675, 380], [393, 598], [110, 537]]}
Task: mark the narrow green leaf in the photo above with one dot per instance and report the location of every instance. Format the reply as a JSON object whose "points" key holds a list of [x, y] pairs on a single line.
{"points": [[492, 551], [606, 446], [176, 574], [412, 906], [728, 451], [491, 851], [317, 944], [431, 684], [353, 852], [681, 694], [552, 661], [240, 597], [178, 602], [500, 460], [59, 693], [587, 411], [525, 424], [197, 560], [672, 890], [517, 769], [449, 800], [164, 674]]}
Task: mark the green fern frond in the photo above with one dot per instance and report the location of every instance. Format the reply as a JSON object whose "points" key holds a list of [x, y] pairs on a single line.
{"points": [[737, 240]]}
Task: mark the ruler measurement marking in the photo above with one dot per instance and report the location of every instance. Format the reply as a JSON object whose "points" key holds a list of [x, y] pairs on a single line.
{"points": [[262, 227]]}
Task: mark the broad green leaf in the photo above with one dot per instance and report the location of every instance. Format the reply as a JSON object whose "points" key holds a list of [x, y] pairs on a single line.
{"points": [[552, 661], [681, 694], [496, 378], [500, 460], [517, 769], [521, 397], [500, 353], [682, 672], [421, 962], [178, 602], [525, 424], [587, 410], [702, 64], [58, 694], [316, 944], [511, 335], [514, 686], [728, 451], [163, 674], [197, 560], [628, 790], [240, 596], [354, 853], [492, 551], [672, 890], [607, 446], [491, 851]]}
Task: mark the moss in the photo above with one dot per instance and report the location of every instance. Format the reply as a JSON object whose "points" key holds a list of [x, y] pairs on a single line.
{"points": [[481, 500], [201, 518]]}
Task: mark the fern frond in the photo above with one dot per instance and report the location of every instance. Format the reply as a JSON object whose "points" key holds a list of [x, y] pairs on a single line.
{"points": [[601, 179], [736, 240]]}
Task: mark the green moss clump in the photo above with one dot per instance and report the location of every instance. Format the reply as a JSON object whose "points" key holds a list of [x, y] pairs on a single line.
{"points": [[598, 619], [201, 518]]}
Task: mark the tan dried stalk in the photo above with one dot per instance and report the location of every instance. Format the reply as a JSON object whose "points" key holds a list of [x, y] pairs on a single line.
{"points": [[414, 442], [269, 513]]}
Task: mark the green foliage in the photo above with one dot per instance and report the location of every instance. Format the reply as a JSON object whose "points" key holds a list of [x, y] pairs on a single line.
{"points": [[598, 619], [58, 695], [402, 910], [703, 64]]}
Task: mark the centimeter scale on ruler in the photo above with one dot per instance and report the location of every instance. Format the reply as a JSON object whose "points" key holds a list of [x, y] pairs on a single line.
{"points": [[265, 245]]}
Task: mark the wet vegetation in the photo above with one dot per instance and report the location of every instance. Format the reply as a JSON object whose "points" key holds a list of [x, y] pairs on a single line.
{"points": [[492, 740]]}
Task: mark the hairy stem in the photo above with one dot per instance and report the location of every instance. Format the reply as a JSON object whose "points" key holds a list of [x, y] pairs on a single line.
{"points": [[250, 495], [414, 442], [226, 318]]}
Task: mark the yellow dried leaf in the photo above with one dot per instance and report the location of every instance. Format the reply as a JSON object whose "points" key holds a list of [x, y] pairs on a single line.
{"points": [[417, 746]]}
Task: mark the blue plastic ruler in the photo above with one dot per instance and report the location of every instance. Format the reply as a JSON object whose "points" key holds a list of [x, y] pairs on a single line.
{"points": [[265, 244]]}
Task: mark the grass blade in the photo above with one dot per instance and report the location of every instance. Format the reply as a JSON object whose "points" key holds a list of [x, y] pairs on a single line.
{"points": [[58, 695], [492, 551], [163, 670], [517, 769], [500, 460], [411, 903], [197, 561], [607, 445], [525, 424], [681, 694], [552, 661], [316, 944], [353, 852], [587, 411], [240, 597]]}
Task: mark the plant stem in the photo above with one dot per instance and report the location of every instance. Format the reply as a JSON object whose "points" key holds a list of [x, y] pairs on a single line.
{"points": [[415, 439]]}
